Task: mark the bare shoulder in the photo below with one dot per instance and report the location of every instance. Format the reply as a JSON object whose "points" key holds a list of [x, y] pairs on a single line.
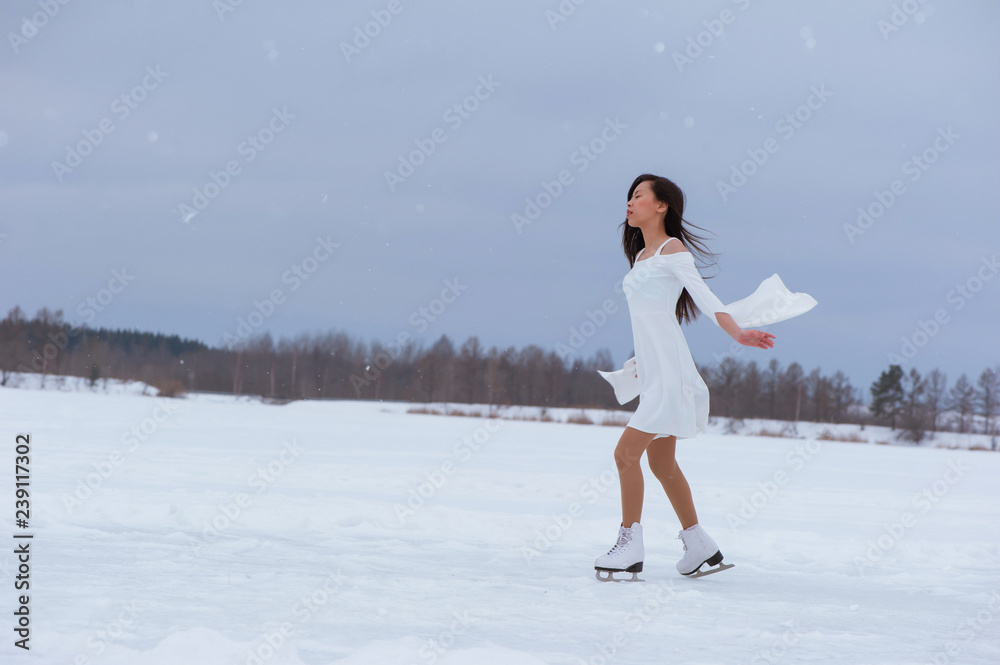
{"points": [[674, 247]]}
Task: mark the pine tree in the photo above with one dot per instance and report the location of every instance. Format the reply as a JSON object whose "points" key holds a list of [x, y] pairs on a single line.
{"points": [[887, 394]]}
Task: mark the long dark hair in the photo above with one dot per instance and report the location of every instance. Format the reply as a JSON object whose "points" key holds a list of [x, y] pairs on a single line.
{"points": [[667, 192]]}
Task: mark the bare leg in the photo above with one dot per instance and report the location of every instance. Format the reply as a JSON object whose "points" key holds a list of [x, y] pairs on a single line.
{"points": [[630, 448], [660, 455]]}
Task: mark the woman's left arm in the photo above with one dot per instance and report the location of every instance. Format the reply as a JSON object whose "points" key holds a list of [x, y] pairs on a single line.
{"points": [[710, 304], [707, 301], [748, 337]]}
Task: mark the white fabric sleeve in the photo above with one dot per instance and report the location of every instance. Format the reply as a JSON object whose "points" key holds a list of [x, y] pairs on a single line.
{"points": [[707, 301], [770, 303]]}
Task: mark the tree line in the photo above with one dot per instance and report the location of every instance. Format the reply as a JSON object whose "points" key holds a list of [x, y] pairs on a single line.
{"points": [[921, 404], [335, 366]]}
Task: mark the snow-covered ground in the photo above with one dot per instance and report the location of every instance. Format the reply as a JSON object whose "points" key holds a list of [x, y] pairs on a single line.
{"points": [[225, 531]]}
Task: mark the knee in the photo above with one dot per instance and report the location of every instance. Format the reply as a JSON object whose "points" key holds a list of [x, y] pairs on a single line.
{"points": [[663, 470], [623, 459]]}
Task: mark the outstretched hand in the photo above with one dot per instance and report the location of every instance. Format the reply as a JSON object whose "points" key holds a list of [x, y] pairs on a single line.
{"points": [[757, 338]]}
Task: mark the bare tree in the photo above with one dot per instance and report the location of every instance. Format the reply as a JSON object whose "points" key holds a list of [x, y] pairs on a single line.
{"points": [[469, 371], [842, 397], [529, 379], [333, 364], [934, 397], [819, 392], [752, 386], [724, 383], [791, 388], [436, 368], [771, 383], [987, 396], [960, 399]]}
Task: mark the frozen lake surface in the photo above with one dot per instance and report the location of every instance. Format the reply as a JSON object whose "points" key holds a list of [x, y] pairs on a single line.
{"points": [[216, 530]]}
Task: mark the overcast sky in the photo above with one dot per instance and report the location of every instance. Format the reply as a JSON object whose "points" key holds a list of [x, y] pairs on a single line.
{"points": [[197, 158]]}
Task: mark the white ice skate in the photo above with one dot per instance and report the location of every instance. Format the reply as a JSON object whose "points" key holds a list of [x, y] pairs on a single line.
{"points": [[699, 549], [625, 557]]}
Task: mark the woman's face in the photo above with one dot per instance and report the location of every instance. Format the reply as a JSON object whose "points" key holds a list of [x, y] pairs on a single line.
{"points": [[643, 208]]}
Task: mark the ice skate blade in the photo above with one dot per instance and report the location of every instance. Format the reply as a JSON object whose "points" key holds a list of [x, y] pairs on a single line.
{"points": [[611, 578], [701, 573], [635, 569]]}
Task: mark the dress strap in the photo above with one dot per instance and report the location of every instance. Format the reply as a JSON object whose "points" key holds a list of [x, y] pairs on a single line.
{"points": [[657, 252], [664, 245]]}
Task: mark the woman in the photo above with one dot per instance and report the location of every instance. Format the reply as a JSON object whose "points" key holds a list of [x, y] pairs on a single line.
{"points": [[662, 288]]}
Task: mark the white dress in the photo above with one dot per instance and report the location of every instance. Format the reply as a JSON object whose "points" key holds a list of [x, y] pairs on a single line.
{"points": [[673, 398]]}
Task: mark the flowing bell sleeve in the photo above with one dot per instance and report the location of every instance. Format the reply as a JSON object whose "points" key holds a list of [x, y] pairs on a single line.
{"points": [[624, 381], [771, 302]]}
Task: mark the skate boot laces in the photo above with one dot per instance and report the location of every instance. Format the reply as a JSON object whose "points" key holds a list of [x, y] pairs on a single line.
{"points": [[623, 541]]}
